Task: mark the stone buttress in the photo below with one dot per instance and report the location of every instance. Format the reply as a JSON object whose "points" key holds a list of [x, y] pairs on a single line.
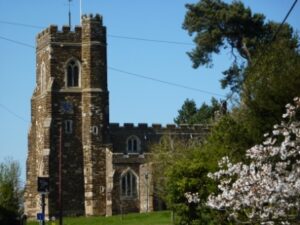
{"points": [[94, 114]]}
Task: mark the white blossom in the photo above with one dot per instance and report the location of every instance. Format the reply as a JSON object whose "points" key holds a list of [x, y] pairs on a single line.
{"points": [[268, 189], [192, 197]]}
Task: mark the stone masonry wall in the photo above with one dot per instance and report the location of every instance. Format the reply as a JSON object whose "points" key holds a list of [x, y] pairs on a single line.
{"points": [[72, 156], [94, 155], [149, 135], [95, 113], [38, 138], [138, 162]]}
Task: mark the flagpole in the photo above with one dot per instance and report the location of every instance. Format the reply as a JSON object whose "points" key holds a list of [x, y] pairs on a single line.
{"points": [[80, 10], [70, 13]]}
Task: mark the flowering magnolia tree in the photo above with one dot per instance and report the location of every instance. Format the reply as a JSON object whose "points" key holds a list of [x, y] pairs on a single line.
{"points": [[192, 197], [267, 189]]}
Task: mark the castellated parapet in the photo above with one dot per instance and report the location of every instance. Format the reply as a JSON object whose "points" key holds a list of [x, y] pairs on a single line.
{"points": [[157, 126], [95, 18], [67, 36], [104, 165]]}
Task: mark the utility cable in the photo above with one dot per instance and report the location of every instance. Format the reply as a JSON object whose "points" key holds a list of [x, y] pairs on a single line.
{"points": [[111, 68], [109, 35], [150, 40], [133, 74], [283, 21], [276, 33], [164, 82], [20, 24], [17, 42], [260, 55], [13, 113]]}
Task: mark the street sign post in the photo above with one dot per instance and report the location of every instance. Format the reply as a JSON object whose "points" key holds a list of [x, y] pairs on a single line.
{"points": [[43, 189], [40, 216], [43, 184]]}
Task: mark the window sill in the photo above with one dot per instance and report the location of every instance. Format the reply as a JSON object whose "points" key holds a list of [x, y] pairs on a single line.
{"points": [[129, 198], [71, 89], [128, 155]]}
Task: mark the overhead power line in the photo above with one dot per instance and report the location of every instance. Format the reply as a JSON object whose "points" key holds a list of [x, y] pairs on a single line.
{"points": [[13, 113], [20, 24], [150, 40], [16, 42], [109, 35], [283, 21], [165, 82], [262, 53], [133, 74]]}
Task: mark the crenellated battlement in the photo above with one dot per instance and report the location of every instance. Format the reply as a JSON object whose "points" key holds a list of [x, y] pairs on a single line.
{"points": [[91, 17], [151, 134], [54, 34], [53, 31], [156, 126]]}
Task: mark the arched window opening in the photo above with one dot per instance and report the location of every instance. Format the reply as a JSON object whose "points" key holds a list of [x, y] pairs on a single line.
{"points": [[68, 126], [128, 185], [73, 74], [43, 78], [95, 130], [133, 144]]}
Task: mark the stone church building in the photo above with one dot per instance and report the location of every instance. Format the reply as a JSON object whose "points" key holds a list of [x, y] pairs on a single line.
{"points": [[100, 166]]}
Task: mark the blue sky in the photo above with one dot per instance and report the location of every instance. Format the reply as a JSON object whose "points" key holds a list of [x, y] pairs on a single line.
{"points": [[132, 99]]}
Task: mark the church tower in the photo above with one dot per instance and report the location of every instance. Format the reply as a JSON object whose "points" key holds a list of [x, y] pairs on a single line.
{"points": [[68, 139]]}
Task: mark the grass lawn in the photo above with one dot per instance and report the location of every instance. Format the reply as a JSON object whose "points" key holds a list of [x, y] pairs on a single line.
{"points": [[154, 218]]}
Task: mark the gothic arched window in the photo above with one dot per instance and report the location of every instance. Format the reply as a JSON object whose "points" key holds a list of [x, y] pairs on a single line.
{"points": [[128, 184], [73, 74], [133, 144]]}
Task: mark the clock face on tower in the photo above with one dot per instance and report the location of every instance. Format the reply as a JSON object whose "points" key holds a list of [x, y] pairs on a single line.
{"points": [[66, 107]]}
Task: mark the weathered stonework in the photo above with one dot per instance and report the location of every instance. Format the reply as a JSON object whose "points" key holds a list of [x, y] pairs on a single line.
{"points": [[104, 168]]}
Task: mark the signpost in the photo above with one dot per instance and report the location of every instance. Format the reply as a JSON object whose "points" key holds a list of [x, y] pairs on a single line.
{"points": [[43, 189], [40, 216], [43, 184]]}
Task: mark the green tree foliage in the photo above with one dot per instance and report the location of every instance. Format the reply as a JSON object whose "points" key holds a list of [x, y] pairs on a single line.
{"points": [[186, 113], [177, 169], [165, 155], [267, 77], [217, 25], [274, 80], [228, 137], [10, 191], [189, 114], [265, 72], [182, 165]]}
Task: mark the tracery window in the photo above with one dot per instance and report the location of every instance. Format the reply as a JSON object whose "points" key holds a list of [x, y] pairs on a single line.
{"points": [[133, 144], [73, 74], [129, 184]]}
